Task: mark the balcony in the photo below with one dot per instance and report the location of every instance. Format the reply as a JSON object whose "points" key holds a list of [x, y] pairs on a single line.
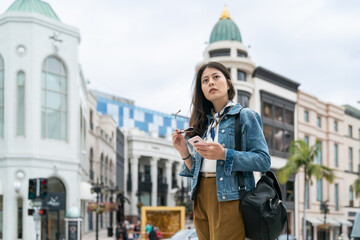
{"points": [[144, 183]]}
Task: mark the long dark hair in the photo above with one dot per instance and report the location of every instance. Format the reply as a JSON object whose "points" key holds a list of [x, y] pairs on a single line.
{"points": [[200, 105]]}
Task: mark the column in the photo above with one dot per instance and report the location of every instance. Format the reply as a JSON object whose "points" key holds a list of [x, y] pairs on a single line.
{"points": [[168, 168], [134, 166], [9, 210], [154, 180], [178, 177]]}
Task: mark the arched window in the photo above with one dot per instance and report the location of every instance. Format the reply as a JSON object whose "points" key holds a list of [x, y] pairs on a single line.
{"points": [[20, 130], [2, 83], [54, 99], [91, 171]]}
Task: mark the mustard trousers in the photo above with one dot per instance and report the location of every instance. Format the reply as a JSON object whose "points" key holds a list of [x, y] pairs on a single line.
{"points": [[216, 220]]}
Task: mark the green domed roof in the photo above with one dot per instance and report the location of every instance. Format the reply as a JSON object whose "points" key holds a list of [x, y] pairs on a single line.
{"points": [[35, 6], [225, 29]]}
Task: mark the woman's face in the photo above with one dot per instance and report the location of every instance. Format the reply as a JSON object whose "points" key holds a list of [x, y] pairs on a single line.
{"points": [[214, 85]]}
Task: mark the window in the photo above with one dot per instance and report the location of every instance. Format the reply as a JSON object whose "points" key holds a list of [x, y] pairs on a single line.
{"points": [[359, 133], [306, 140], [351, 196], [306, 116], [335, 126], [319, 190], [20, 130], [337, 197], [307, 196], [241, 75], [101, 167], [91, 120], [319, 155], [2, 84], [20, 218], [54, 99], [278, 119], [220, 52], [336, 154], [243, 98], [241, 53], [350, 130], [350, 159], [318, 121], [91, 164]]}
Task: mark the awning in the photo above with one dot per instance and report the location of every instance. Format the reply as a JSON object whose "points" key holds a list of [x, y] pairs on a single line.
{"points": [[344, 222], [314, 221], [85, 192], [332, 222]]}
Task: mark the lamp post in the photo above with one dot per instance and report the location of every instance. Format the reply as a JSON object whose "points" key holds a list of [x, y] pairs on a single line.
{"points": [[97, 189], [324, 207]]}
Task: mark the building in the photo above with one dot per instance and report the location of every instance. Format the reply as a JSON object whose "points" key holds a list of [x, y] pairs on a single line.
{"points": [[41, 134], [151, 164], [273, 96]]}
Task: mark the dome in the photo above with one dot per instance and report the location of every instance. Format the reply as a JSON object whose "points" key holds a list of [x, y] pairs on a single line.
{"points": [[225, 29], [73, 212], [35, 6]]}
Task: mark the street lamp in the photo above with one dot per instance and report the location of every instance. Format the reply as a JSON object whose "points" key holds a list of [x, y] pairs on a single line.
{"points": [[324, 207], [97, 189]]}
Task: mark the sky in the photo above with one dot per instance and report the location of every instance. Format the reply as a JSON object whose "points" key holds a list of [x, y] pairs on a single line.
{"points": [[147, 51]]}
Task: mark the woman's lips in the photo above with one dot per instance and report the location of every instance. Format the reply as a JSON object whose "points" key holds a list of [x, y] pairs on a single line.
{"points": [[212, 90]]}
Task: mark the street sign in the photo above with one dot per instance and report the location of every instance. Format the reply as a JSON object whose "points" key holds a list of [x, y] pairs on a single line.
{"points": [[36, 203]]}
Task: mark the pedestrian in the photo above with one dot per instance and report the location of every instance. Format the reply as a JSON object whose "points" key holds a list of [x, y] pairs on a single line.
{"points": [[213, 165], [124, 231], [137, 229], [130, 235], [152, 234], [158, 233], [118, 231]]}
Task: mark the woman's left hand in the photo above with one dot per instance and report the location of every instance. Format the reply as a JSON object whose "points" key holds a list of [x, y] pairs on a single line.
{"points": [[211, 151]]}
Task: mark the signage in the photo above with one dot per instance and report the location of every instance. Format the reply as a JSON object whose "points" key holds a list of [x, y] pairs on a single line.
{"points": [[55, 201], [73, 230]]}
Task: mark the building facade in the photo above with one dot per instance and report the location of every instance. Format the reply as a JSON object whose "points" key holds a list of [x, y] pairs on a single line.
{"points": [[41, 134], [273, 96]]}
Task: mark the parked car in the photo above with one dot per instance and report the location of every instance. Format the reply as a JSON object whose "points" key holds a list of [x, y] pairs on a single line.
{"points": [[185, 234], [284, 237]]}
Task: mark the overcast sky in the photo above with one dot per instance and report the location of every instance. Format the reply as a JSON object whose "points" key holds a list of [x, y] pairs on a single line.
{"points": [[147, 50]]}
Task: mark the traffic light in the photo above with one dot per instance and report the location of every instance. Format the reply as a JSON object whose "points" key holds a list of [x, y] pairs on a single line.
{"points": [[42, 212], [32, 188], [30, 211], [43, 188]]}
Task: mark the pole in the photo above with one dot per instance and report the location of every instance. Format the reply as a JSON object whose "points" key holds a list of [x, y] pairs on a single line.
{"points": [[97, 217]]}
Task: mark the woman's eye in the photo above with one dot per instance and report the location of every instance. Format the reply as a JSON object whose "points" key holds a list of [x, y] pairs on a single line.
{"points": [[205, 80], [217, 76]]}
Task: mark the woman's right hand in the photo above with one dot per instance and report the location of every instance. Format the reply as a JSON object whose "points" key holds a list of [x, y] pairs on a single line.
{"points": [[179, 143]]}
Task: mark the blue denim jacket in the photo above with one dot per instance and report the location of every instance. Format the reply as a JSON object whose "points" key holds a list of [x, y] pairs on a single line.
{"points": [[253, 157]]}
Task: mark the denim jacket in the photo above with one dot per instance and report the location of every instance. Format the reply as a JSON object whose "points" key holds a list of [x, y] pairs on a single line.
{"points": [[253, 157]]}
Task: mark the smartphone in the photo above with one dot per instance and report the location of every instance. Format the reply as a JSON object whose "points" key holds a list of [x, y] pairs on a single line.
{"points": [[197, 140]]}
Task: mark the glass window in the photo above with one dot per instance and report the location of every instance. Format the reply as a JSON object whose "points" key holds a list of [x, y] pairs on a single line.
{"points": [[220, 52], [290, 191], [306, 140], [54, 99], [337, 197], [278, 119], [20, 218], [350, 130], [306, 116], [241, 53], [319, 190], [241, 75], [335, 126], [319, 155], [351, 196], [21, 104], [243, 98], [307, 196], [350, 159], [318, 121], [2, 83], [336, 154]]}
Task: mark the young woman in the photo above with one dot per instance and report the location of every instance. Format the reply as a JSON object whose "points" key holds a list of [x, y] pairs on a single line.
{"points": [[213, 167]]}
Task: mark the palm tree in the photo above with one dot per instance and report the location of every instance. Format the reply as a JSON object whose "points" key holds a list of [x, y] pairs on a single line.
{"points": [[303, 156], [357, 186]]}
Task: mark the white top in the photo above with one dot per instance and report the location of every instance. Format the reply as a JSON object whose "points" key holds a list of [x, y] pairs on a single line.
{"points": [[210, 165]]}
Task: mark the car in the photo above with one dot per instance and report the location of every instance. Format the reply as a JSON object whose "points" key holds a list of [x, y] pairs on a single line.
{"points": [[184, 234], [284, 237]]}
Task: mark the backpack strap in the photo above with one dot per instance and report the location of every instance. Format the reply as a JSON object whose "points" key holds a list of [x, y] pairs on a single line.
{"points": [[238, 148]]}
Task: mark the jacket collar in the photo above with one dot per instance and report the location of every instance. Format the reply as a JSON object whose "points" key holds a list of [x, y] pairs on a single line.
{"points": [[233, 111]]}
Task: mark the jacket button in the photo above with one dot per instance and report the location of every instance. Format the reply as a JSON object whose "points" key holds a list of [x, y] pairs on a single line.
{"points": [[223, 144], [223, 197], [222, 163], [221, 179], [222, 131], [225, 117]]}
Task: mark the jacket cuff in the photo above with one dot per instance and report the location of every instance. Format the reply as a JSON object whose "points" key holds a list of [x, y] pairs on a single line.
{"points": [[185, 171], [229, 160]]}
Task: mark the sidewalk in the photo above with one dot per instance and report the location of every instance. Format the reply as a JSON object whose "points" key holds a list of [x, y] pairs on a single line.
{"points": [[102, 235]]}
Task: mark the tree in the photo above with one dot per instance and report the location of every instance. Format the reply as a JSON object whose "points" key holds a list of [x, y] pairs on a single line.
{"points": [[303, 157], [357, 186]]}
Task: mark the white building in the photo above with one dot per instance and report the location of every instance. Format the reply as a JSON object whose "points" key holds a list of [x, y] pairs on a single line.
{"points": [[42, 117]]}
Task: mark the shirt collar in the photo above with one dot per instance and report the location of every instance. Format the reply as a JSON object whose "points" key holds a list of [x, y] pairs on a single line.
{"points": [[217, 115]]}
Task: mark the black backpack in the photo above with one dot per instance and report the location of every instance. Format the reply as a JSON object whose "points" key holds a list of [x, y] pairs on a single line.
{"points": [[263, 210]]}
